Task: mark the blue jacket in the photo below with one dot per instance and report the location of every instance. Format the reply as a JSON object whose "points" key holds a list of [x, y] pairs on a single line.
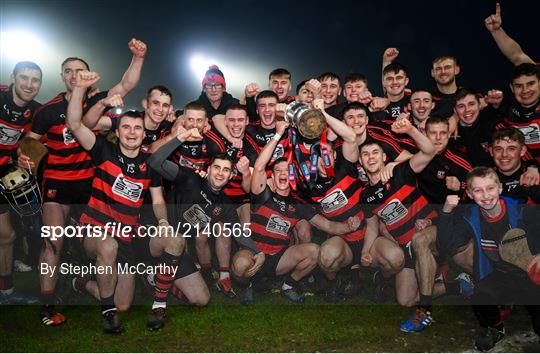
{"points": [[482, 264]]}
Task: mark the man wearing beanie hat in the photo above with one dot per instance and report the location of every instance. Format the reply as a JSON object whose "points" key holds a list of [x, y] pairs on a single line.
{"points": [[214, 96]]}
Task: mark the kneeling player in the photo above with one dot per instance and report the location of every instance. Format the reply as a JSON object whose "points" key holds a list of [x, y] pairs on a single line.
{"points": [[273, 216], [122, 179]]}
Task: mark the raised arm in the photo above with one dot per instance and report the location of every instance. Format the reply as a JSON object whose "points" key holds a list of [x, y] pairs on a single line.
{"points": [[508, 46], [419, 161], [82, 133], [258, 177], [133, 73], [350, 147], [94, 118]]}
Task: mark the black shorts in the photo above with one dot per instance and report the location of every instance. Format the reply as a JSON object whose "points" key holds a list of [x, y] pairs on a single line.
{"points": [[67, 192], [410, 258], [449, 243], [356, 249], [269, 267]]}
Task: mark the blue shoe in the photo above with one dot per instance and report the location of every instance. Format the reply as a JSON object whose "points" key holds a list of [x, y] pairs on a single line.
{"points": [[466, 285], [247, 295], [16, 298], [292, 295], [418, 322]]}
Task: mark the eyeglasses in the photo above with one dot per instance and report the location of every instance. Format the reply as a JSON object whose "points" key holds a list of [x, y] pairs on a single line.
{"points": [[213, 86]]}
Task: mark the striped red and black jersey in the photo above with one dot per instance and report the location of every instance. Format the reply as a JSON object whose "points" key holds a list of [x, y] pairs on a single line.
{"points": [[398, 203], [385, 138], [67, 160], [119, 186], [261, 136], [193, 154], [432, 180], [15, 121], [218, 144], [150, 136], [528, 121], [338, 198], [273, 218]]}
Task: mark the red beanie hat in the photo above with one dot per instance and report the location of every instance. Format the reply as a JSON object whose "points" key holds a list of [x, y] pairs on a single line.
{"points": [[213, 74]]}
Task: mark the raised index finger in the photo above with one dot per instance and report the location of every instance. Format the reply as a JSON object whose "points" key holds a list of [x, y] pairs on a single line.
{"points": [[498, 9]]}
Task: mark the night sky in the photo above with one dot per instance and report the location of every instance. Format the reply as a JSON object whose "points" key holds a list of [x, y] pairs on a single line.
{"points": [[248, 39]]}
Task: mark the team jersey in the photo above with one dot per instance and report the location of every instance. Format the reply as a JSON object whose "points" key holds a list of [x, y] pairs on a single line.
{"points": [[234, 189], [15, 121], [119, 186], [67, 160], [194, 154], [261, 136], [338, 198], [385, 138], [444, 103], [273, 218], [528, 121], [393, 110], [514, 190], [397, 203], [432, 180], [193, 204], [473, 141]]}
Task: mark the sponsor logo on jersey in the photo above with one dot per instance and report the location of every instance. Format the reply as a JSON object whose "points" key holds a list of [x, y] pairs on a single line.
{"points": [[532, 134], [334, 201], [279, 151], [195, 215], [68, 136], [392, 212], [278, 225], [8, 135], [127, 189]]}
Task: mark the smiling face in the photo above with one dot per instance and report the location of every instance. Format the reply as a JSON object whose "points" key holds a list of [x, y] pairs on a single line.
{"points": [[353, 89], [467, 109], [330, 90], [219, 173], [236, 121], [526, 90], [444, 71], [26, 84], [485, 192], [280, 177], [394, 83], [421, 105], [281, 85], [69, 73], [507, 155], [266, 107], [130, 132], [372, 158], [357, 119], [157, 106], [214, 91]]}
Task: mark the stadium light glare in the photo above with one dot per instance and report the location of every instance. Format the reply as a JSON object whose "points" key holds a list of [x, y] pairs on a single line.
{"points": [[17, 45]]}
